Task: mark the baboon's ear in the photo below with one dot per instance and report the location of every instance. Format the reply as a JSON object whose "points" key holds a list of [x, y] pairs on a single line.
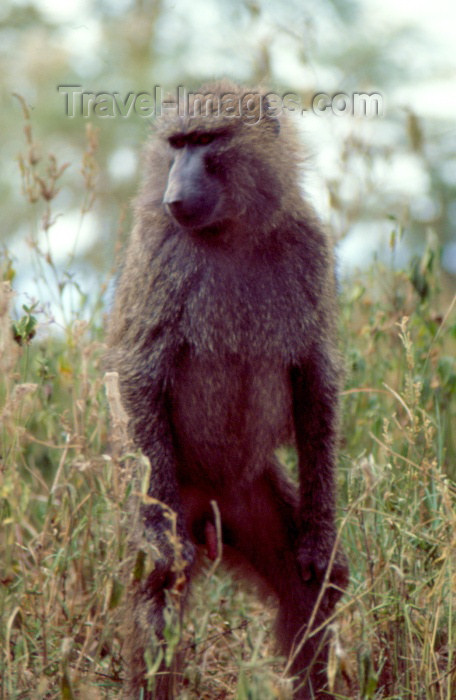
{"points": [[272, 121]]}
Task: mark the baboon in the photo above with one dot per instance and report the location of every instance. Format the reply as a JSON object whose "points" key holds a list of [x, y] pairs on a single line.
{"points": [[223, 333]]}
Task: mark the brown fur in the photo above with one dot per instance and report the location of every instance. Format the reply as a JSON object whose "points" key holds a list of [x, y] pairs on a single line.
{"points": [[224, 336]]}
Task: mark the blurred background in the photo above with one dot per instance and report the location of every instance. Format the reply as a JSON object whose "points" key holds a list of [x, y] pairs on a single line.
{"points": [[384, 184]]}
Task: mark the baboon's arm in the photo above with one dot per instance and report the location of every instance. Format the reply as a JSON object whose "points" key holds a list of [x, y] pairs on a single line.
{"points": [[315, 390]]}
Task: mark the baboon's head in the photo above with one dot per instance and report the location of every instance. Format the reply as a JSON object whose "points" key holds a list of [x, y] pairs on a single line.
{"points": [[224, 153]]}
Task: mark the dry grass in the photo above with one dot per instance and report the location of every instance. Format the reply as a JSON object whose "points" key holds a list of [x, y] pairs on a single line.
{"points": [[64, 490]]}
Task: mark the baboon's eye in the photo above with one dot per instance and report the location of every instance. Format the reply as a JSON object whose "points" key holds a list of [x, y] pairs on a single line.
{"points": [[203, 139], [177, 141]]}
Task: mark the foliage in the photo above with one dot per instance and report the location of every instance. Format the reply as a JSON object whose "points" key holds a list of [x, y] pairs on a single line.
{"points": [[63, 521], [398, 484], [63, 496]]}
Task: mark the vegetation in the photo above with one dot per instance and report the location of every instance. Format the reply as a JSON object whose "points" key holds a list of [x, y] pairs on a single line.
{"points": [[64, 487]]}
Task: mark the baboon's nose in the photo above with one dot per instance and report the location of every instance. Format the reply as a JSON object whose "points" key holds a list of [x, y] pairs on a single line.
{"points": [[174, 208], [179, 210], [187, 213]]}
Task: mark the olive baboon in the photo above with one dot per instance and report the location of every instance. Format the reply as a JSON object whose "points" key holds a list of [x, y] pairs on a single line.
{"points": [[224, 336]]}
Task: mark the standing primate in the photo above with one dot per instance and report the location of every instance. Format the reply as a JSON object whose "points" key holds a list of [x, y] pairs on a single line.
{"points": [[223, 333]]}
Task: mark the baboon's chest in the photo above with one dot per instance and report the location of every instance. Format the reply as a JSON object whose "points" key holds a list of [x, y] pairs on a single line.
{"points": [[230, 413]]}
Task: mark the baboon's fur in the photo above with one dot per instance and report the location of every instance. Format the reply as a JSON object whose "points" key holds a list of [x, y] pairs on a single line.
{"points": [[224, 336]]}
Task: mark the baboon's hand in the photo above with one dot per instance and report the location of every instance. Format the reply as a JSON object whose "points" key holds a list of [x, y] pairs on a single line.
{"points": [[164, 555], [170, 568], [314, 557]]}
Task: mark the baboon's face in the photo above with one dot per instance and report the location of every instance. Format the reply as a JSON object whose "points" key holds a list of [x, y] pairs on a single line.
{"points": [[195, 191]]}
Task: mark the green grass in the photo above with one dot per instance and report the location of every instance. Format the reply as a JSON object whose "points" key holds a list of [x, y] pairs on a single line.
{"points": [[64, 490]]}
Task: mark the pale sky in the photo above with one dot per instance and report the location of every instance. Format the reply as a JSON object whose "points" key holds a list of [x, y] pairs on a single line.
{"points": [[430, 97], [437, 19]]}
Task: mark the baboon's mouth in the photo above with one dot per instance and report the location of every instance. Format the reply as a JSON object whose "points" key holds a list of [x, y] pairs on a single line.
{"points": [[187, 219], [210, 231]]}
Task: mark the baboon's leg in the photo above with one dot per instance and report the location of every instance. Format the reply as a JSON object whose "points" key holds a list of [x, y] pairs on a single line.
{"points": [[153, 613], [260, 523]]}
